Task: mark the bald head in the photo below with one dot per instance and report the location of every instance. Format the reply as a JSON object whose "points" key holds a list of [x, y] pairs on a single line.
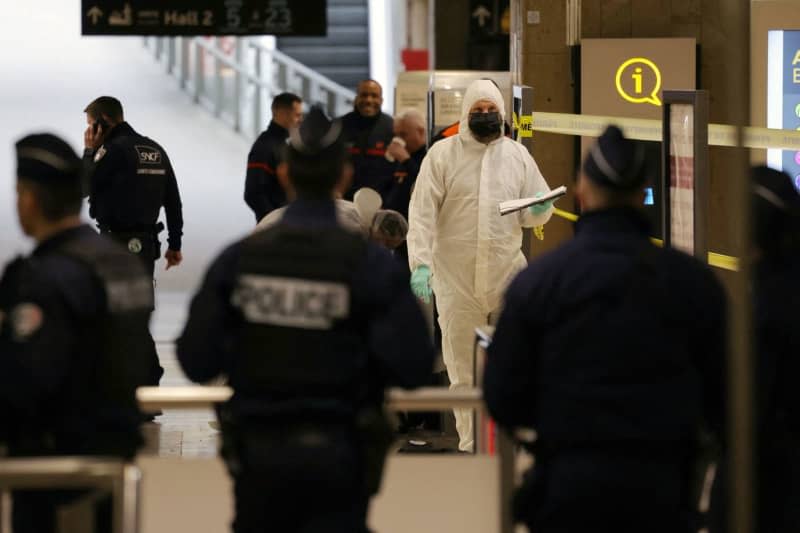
{"points": [[369, 98]]}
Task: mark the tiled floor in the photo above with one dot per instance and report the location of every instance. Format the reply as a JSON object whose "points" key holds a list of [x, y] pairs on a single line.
{"points": [[177, 432]]}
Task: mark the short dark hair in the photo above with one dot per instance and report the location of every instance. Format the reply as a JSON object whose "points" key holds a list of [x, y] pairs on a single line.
{"points": [[105, 105], [315, 177], [285, 101], [57, 200]]}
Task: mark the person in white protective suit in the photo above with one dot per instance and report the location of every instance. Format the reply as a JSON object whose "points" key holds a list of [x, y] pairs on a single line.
{"points": [[458, 244]]}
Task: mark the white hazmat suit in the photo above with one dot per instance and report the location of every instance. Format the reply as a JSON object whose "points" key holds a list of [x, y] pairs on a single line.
{"points": [[456, 230]]}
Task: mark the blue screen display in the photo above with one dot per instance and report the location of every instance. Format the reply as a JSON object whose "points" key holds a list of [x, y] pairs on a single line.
{"points": [[648, 196]]}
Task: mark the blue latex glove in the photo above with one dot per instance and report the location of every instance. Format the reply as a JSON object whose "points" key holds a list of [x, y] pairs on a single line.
{"points": [[421, 283], [540, 209]]}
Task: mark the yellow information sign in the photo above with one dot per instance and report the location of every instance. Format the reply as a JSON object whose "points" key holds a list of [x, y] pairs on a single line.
{"points": [[641, 94]]}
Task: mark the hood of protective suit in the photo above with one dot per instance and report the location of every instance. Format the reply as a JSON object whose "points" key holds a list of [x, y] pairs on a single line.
{"points": [[479, 90]]}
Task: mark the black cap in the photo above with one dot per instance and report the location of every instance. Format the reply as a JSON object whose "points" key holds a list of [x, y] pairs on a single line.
{"points": [[317, 136], [47, 159], [776, 209], [616, 162]]}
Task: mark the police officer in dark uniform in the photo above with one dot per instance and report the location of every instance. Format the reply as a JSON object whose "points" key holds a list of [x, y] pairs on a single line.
{"points": [[310, 323], [72, 318], [262, 190], [129, 179], [613, 351], [367, 134], [776, 220]]}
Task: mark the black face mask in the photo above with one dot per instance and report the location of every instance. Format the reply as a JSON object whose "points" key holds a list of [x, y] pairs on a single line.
{"points": [[484, 124]]}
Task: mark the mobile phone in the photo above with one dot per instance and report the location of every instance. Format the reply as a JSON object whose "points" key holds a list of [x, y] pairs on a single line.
{"points": [[100, 123]]}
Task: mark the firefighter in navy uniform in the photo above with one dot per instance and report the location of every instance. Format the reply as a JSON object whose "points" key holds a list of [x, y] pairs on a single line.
{"points": [[263, 192], [310, 323], [129, 178], [613, 351], [367, 134], [72, 321]]}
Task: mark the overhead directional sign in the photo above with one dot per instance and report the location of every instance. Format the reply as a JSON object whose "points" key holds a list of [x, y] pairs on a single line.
{"points": [[204, 17]]}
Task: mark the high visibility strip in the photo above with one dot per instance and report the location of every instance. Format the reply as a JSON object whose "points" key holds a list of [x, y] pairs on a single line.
{"points": [[262, 166], [650, 130], [725, 262]]}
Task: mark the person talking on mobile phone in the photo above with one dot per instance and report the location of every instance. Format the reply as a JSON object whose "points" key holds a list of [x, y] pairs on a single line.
{"points": [[128, 178]]}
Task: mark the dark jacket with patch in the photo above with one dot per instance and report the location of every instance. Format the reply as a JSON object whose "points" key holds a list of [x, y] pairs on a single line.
{"points": [[130, 179], [73, 330], [355, 312], [610, 340]]}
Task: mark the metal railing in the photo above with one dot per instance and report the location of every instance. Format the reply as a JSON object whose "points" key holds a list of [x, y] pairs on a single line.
{"points": [[119, 478], [424, 399], [236, 78]]}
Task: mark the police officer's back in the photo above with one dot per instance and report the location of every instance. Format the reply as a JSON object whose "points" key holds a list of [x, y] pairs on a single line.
{"points": [[612, 350], [776, 298], [72, 315], [310, 323]]}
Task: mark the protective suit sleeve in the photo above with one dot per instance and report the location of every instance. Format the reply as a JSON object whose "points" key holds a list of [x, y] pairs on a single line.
{"points": [[509, 381], [202, 348], [423, 212], [534, 183]]}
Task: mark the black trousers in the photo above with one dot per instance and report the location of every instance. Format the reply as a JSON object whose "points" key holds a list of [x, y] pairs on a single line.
{"points": [[147, 250], [582, 492], [302, 480]]}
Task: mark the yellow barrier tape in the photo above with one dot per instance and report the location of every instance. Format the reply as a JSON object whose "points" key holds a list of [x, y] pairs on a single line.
{"points": [[523, 124], [725, 262], [650, 130]]}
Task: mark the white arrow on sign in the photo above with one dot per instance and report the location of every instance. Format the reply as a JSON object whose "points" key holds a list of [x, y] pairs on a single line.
{"points": [[94, 13], [481, 14]]}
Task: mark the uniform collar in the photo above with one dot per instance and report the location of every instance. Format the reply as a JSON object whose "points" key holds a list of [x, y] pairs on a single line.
{"points": [[626, 220], [276, 129], [310, 212], [57, 239], [120, 130]]}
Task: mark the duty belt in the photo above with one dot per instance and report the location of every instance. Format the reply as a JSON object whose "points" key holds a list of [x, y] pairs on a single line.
{"points": [[153, 229]]}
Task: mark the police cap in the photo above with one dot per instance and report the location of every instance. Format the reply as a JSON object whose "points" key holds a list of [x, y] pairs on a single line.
{"points": [[317, 136], [47, 159], [615, 162]]}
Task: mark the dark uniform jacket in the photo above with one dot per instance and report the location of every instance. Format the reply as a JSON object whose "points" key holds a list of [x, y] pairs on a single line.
{"points": [[613, 351], [405, 176], [389, 326], [777, 362], [610, 339], [367, 139], [130, 179], [70, 355], [262, 192]]}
